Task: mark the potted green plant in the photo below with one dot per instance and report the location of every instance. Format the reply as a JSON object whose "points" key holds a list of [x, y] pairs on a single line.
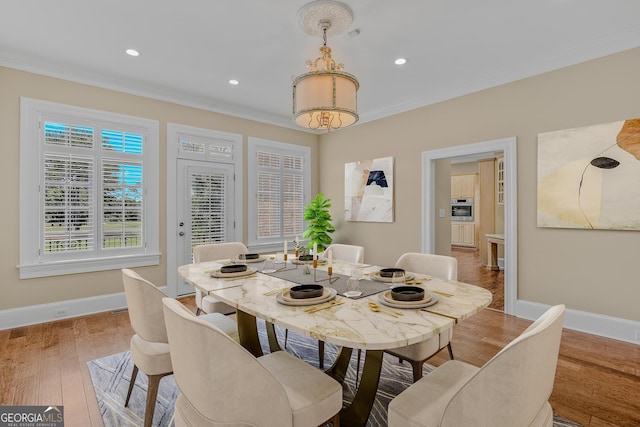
{"points": [[319, 226]]}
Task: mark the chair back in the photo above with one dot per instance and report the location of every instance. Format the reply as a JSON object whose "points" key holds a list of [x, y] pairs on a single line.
{"points": [[144, 301], [215, 251], [223, 382], [441, 266], [349, 253], [512, 387]]}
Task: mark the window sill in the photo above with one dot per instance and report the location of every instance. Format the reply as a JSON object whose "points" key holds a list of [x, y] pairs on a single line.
{"points": [[30, 271]]}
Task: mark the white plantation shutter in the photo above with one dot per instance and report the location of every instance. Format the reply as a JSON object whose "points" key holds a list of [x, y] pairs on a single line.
{"points": [[68, 204], [121, 204], [84, 187], [268, 196], [293, 195], [208, 209], [279, 179]]}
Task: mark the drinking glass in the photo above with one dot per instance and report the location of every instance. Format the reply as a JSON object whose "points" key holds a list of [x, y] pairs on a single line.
{"points": [[241, 259], [397, 278], [352, 288], [269, 265], [356, 272]]}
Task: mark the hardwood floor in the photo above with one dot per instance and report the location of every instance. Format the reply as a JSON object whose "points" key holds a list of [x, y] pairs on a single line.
{"points": [[471, 270], [597, 381]]}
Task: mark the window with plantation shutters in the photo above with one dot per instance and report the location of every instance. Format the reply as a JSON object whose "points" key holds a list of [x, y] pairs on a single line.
{"points": [[279, 187], [88, 188]]}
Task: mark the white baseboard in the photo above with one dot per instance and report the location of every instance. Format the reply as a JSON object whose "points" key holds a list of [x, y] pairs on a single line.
{"points": [[42, 313], [591, 323]]}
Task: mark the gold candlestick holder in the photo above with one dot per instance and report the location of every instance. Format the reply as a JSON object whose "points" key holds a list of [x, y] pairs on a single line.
{"points": [[284, 267], [329, 273]]}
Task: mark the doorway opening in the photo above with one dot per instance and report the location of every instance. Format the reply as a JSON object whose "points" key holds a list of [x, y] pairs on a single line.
{"points": [[477, 211], [430, 210]]}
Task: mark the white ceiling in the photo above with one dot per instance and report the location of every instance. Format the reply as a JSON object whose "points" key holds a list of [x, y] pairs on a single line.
{"points": [[191, 48]]}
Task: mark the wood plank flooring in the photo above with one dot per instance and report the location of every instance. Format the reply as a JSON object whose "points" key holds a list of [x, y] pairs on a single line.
{"points": [[597, 382], [471, 270]]}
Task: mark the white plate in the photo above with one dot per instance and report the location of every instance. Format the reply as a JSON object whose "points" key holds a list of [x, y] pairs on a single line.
{"points": [[386, 300], [220, 275], [307, 301], [376, 276]]}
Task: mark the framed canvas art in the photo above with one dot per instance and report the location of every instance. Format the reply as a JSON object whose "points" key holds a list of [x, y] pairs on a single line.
{"points": [[589, 177], [368, 190]]}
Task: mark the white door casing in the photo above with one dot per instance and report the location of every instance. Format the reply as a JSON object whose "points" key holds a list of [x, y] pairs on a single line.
{"points": [[197, 150]]}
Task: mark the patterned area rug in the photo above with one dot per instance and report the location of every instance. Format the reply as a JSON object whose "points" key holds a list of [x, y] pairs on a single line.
{"points": [[110, 376]]}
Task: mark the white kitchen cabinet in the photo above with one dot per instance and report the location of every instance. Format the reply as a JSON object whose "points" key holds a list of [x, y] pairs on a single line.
{"points": [[463, 234], [463, 186]]}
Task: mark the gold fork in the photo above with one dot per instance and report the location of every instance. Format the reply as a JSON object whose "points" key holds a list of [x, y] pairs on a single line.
{"points": [[275, 291], [377, 308], [331, 304]]}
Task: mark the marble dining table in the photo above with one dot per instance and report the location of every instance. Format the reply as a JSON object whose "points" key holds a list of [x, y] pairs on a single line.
{"points": [[350, 324]]}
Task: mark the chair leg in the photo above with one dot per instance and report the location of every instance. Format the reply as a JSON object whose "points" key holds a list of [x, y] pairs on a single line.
{"points": [[358, 366], [152, 394], [335, 421], [450, 351], [286, 336], [417, 370], [134, 374], [321, 354], [198, 311]]}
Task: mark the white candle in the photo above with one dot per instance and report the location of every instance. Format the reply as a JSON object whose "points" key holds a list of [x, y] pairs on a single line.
{"points": [[315, 250], [285, 247], [330, 262]]}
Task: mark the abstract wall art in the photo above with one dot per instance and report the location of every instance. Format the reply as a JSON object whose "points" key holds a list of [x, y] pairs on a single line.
{"points": [[589, 177], [368, 190]]}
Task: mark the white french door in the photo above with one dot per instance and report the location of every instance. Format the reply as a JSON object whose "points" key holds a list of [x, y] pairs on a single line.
{"points": [[206, 208]]}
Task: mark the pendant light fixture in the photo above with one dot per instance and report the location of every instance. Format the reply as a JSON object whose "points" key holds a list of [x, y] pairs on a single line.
{"points": [[325, 98]]}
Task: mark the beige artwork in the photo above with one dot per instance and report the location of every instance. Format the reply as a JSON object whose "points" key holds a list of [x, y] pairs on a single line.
{"points": [[589, 177], [368, 190]]}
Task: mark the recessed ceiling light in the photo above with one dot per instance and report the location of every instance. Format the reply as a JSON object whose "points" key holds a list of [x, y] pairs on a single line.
{"points": [[401, 61], [132, 52], [234, 82]]}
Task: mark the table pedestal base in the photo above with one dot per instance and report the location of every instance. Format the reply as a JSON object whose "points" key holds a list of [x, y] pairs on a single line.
{"points": [[356, 414]]}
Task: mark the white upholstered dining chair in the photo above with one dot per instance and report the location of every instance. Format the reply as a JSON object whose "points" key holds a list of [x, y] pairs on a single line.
{"points": [[511, 389], [212, 252], [349, 253], [232, 387], [443, 267], [149, 345]]}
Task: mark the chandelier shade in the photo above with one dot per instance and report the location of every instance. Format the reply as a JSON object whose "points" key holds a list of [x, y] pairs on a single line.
{"points": [[325, 98]]}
